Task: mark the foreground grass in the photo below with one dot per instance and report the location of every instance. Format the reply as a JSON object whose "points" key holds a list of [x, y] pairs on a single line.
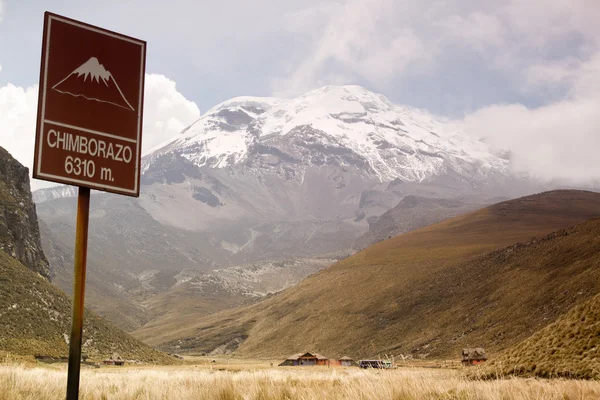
{"points": [[22, 382]]}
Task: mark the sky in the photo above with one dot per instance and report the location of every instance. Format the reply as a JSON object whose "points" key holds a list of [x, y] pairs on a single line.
{"points": [[523, 75]]}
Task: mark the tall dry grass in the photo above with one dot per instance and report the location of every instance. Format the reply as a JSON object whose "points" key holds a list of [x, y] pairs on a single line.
{"points": [[23, 382]]}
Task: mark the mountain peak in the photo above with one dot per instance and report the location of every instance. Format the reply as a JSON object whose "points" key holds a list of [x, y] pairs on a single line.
{"points": [[392, 141]]}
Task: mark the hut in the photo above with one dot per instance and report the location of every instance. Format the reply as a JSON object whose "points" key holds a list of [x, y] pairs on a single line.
{"points": [[114, 360], [305, 359], [322, 360], [345, 361], [473, 356]]}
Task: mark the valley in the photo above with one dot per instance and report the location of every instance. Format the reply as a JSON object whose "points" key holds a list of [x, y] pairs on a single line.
{"points": [[300, 200], [455, 273], [231, 252], [289, 245], [262, 183]]}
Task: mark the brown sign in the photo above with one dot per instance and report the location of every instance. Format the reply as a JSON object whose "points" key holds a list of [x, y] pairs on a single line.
{"points": [[89, 125]]}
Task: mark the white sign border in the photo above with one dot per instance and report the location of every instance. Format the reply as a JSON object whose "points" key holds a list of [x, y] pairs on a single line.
{"points": [[139, 110]]}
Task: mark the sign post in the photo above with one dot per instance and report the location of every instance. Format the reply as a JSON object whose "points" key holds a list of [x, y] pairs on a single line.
{"points": [[89, 130], [81, 238]]}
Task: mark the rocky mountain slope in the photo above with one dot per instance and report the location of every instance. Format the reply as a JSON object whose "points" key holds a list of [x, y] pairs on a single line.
{"points": [[195, 294], [137, 267], [412, 213], [326, 157], [19, 231], [427, 293]]}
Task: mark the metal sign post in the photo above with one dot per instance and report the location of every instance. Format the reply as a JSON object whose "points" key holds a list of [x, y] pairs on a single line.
{"points": [[81, 239], [89, 130]]}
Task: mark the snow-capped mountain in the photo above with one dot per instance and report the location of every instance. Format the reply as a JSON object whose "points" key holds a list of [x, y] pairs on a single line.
{"points": [[271, 177], [262, 179], [390, 141], [328, 155]]}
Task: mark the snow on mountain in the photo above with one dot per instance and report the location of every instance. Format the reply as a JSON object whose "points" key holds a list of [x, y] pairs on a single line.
{"points": [[394, 141], [339, 125]]}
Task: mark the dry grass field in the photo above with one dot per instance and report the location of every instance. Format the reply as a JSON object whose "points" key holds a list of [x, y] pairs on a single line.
{"points": [[260, 381]]}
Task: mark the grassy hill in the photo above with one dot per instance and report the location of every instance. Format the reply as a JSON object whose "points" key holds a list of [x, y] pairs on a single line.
{"points": [[569, 347], [36, 319], [427, 293]]}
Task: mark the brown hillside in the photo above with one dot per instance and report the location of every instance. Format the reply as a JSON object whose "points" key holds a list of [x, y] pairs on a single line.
{"points": [[36, 318], [569, 347], [428, 292]]}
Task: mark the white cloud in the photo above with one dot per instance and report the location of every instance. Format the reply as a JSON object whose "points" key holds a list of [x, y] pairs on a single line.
{"points": [[390, 41], [558, 141], [361, 39], [552, 74], [18, 108], [555, 142], [548, 51], [166, 113], [1, 18], [477, 29]]}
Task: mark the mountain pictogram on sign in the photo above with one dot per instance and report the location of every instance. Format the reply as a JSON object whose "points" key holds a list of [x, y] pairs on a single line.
{"points": [[101, 85]]}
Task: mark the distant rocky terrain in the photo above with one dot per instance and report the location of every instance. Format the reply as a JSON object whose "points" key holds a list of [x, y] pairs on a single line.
{"points": [[414, 212]]}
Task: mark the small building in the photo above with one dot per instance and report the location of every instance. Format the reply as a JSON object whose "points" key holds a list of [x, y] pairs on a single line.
{"points": [[322, 360], [114, 360], [473, 356], [309, 359], [305, 359], [345, 361]]}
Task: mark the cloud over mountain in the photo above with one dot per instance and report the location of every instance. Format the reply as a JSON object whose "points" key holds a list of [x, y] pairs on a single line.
{"points": [[555, 141]]}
